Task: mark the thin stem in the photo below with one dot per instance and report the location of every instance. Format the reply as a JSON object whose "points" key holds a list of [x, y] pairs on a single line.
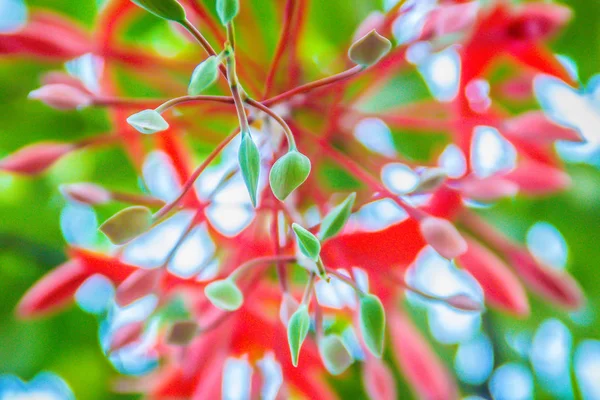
{"points": [[286, 128], [281, 45], [322, 270], [347, 280], [314, 85], [190, 182], [137, 199], [239, 271], [186, 99], [308, 290], [203, 42], [233, 80], [179, 242]]}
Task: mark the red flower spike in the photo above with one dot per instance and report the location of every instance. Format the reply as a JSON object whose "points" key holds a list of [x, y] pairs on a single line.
{"points": [[418, 362], [487, 189], [556, 286], [137, 285], [534, 126], [35, 159], [126, 335], [378, 380], [451, 18], [443, 237], [500, 286], [54, 291]]}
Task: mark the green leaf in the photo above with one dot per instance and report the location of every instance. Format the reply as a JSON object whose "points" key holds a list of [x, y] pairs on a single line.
{"points": [[288, 173], [205, 74], [335, 354], [148, 122], [369, 49], [127, 224], [336, 219], [227, 10], [167, 9], [309, 244], [224, 294], [249, 159], [372, 323], [297, 330]]}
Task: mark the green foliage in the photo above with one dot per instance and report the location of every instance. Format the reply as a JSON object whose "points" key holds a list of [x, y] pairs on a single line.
{"points": [[127, 224], [224, 294], [205, 74], [227, 10], [167, 9], [288, 173], [333, 222], [249, 160], [372, 323], [309, 244], [297, 330], [148, 122]]}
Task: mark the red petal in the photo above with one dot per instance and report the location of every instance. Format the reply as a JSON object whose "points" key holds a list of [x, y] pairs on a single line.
{"points": [[501, 287], [557, 286], [426, 373], [536, 178], [378, 380], [137, 285], [35, 159], [54, 291], [97, 263], [535, 126]]}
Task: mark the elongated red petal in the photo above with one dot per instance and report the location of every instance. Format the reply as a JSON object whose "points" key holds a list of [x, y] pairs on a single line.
{"points": [[535, 126], [536, 178], [492, 188], [378, 380], [54, 291], [35, 159], [137, 285], [501, 287], [425, 372], [556, 286]]}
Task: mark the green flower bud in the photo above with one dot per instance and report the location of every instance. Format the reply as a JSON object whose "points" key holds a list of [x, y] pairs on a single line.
{"points": [[288, 173], [309, 244], [369, 49], [148, 122], [249, 159], [167, 9], [372, 323], [333, 223], [227, 10], [205, 74], [297, 330], [224, 294], [335, 354], [127, 224]]}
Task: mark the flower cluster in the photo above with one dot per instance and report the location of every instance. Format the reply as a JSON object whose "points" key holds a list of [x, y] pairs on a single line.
{"points": [[256, 295]]}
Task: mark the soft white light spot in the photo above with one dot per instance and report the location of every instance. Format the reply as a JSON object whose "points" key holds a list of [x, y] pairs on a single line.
{"points": [[511, 381], [351, 341], [375, 135], [230, 220], [88, 69], [272, 377], [453, 161], [380, 214], [491, 153], [13, 15], [520, 342], [79, 224], [237, 374], [474, 360], [409, 25], [437, 276], [399, 178], [441, 73], [418, 52], [151, 249], [160, 176], [550, 357], [195, 251], [95, 295], [546, 243], [587, 368]]}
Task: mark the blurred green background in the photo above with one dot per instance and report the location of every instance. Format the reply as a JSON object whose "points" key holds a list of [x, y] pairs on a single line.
{"points": [[31, 242]]}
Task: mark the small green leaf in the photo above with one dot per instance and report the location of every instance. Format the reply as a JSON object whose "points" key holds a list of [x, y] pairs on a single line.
{"points": [[309, 244], [372, 323], [249, 159], [297, 330], [333, 223], [205, 74], [335, 354], [227, 10], [369, 49], [127, 224], [224, 294], [288, 173], [167, 9], [148, 122]]}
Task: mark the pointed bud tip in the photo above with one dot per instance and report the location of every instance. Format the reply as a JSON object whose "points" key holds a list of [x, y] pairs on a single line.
{"points": [[309, 245], [372, 323], [443, 236], [148, 122], [166, 9], [369, 49], [86, 193], [62, 96], [224, 294], [127, 224], [288, 173]]}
